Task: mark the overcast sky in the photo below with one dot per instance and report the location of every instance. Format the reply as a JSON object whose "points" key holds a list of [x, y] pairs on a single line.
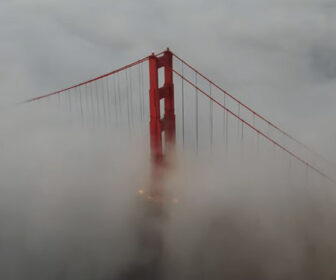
{"points": [[64, 190], [278, 56]]}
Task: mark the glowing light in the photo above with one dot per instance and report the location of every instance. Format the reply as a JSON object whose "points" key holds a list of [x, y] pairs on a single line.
{"points": [[175, 200], [141, 192]]}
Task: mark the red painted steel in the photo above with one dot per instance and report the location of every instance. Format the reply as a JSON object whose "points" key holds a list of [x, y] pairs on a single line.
{"points": [[86, 82], [161, 146], [256, 130], [254, 112]]}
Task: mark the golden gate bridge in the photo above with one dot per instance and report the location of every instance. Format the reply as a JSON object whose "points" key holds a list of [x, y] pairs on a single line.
{"points": [[179, 110]]}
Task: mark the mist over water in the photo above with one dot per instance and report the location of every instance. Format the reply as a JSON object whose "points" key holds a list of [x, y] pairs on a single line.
{"points": [[69, 192], [70, 209], [253, 226], [66, 199]]}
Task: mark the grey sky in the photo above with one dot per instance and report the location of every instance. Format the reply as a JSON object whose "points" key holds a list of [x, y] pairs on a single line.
{"points": [[279, 57], [67, 193]]}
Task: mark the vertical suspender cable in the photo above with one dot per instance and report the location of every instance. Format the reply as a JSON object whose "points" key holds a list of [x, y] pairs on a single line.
{"points": [[87, 107], [224, 112], [143, 95], [238, 120], [81, 104], [211, 118], [182, 106], [108, 99], [127, 100], [103, 100], [74, 94], [119, 97], [140, 93], [241, 141], [131, 96], [115, 90], [97, 99], [142, 90], [226, 126], [196, 98], [92, 105], [69, 99]]}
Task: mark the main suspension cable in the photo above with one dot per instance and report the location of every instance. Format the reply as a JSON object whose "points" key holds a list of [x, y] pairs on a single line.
{"points": [[255, 129], [255, 113]]}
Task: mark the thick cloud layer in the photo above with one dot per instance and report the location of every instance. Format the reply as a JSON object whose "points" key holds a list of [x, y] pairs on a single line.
{"points": [[277, 56], [70, 209]]}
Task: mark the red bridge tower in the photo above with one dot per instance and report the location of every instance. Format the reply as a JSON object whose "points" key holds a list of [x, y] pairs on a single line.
{"points": [[162, 128]]}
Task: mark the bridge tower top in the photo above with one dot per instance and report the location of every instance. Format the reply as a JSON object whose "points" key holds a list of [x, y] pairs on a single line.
{"points": [[161, 124]]}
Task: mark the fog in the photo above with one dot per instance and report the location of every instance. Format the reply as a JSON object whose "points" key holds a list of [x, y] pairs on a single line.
{"points": [[70, 208], [69, 194], [64, 210]]}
